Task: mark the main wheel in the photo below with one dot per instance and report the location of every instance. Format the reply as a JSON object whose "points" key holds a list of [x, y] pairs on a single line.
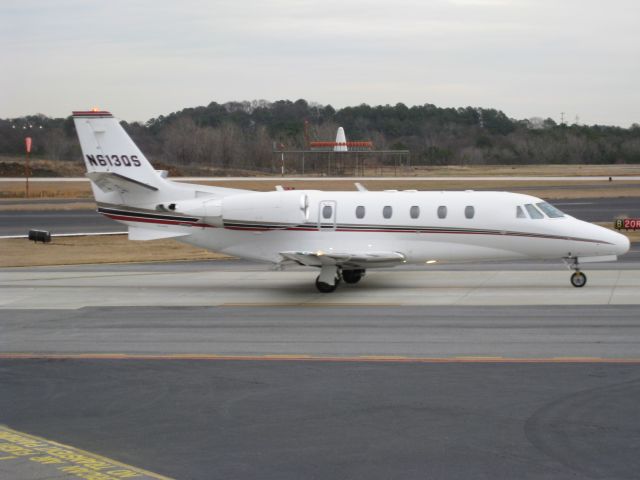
{"points": [[578, 279], [325, 287], [352, 276]]}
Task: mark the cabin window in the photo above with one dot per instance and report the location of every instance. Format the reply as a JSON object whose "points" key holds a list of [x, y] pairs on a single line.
{"points": [[550, 210], [442, 211], [387, 211], [469, 211], [533, 211], [414, 211], [360, 211], [327, 211], [520, 212]]}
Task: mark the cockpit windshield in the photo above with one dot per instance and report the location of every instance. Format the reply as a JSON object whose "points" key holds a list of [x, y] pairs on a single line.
{"points": [[533, 211], [549, 210]]}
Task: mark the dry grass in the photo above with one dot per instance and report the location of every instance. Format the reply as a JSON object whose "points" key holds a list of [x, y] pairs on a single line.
{"points": [[97, 249], [53, 189], [80, 205], [526, 170], [544, 189], [62, 168], [60, 189]]}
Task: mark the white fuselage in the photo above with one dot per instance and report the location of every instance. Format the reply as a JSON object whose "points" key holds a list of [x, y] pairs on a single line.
{"points": [[260, 225]]}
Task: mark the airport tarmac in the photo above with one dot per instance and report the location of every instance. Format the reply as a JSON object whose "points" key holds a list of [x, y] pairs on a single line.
{"points": [[226, 369], [203, 420], [170, 286]]}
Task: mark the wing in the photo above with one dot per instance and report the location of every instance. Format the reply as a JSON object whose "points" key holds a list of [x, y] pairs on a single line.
{"points": [[345, 260]]}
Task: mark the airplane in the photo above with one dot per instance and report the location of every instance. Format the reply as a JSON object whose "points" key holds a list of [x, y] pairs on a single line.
{"points": [[341, 233]]}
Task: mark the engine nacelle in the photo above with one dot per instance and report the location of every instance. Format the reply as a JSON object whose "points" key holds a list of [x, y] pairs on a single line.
{"points": [[209, 210], [267, 207]]}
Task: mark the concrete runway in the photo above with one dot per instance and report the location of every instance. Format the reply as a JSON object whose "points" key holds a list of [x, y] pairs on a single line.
{"points": [[228, 370], [168, 285], [75, 221]]}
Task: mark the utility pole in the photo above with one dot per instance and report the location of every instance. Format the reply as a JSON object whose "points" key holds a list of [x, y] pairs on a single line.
{"points": [[561, 118]]}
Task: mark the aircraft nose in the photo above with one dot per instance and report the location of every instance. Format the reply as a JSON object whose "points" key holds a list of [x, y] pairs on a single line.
{"points": [[622, 243], [614, 243]]}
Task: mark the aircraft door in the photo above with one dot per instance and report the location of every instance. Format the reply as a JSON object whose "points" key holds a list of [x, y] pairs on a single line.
{"points": [[327, 215]]}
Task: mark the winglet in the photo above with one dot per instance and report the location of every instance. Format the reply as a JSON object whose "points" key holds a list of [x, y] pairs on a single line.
{"points": [[360, 187]]}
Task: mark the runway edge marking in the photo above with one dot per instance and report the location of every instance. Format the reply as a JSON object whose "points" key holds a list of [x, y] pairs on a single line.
{"points": [[29, 450], [314, 358]]}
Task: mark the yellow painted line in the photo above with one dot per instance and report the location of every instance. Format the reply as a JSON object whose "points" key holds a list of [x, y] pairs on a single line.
{"points": [[384, 357], [286, 357], [477, 357], [311, 304], [575, 359], [313, 358], [57, 459]]}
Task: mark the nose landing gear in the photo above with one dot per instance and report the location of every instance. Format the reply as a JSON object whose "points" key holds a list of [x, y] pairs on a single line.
{"points": [[578, 279]]}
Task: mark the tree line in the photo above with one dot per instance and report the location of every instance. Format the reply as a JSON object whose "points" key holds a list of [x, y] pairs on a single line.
{"points": [[242, 135]]}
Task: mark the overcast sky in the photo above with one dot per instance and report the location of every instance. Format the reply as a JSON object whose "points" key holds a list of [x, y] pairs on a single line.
{"points": [[142, 58]]}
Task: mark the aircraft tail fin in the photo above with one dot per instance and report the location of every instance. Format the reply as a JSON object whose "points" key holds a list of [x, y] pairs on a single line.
{"points": [[111, 157]]}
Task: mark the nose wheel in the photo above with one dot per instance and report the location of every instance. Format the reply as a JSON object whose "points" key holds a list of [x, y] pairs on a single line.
{"points": [[578, 279]]}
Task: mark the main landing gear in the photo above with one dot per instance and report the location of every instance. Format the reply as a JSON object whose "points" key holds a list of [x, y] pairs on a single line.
{"points": [[578, 279], [353, 276], [326, 287], [330, 277]]}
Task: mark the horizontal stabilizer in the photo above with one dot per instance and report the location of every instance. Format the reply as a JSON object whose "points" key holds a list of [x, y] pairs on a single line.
{"points": [[345, 259], [144, 234], [115, 182]]}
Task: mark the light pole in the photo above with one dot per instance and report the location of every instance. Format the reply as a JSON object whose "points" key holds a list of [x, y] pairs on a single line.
{"points": [[28, 142], [27, 171]]}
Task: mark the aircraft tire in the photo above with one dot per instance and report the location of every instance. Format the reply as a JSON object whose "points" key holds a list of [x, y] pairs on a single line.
{"points": [[352, 276], [325, 287], [578, 279]]}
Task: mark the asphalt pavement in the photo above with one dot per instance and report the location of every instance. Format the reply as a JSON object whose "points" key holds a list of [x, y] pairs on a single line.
{"points": [[328, 420]]}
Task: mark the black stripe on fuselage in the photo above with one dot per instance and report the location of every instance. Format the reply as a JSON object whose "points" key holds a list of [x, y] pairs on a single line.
{"points": [[154, 216]]}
